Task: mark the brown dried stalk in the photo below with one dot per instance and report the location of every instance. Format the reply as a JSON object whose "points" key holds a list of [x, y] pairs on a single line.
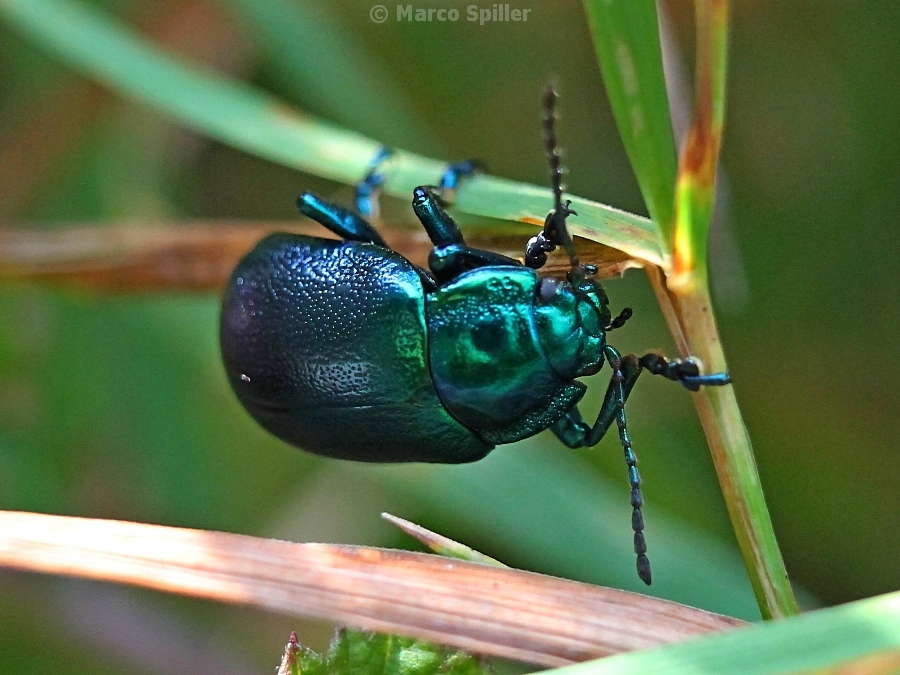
{"points": [[199, 256], [487, 610]]}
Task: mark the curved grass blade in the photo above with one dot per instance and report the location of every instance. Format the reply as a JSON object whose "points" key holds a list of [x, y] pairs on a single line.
{"points": [[686, 301], [312, 53], [544, 620], [626, 39], [860, 638], [253, 121]]}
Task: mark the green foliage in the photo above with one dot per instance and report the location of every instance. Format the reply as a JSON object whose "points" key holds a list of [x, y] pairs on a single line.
{"points": [[258, 123], [355, 652], [626, 39], [832, 638], [116, 407]]}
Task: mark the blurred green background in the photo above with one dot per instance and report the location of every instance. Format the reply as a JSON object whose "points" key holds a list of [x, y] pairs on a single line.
{"points": [[116, 405]]}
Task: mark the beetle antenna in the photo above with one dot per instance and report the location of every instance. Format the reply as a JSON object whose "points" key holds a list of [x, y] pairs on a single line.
{"points": [[634, 478], [620, 320], [555, 232], [561, 210]]}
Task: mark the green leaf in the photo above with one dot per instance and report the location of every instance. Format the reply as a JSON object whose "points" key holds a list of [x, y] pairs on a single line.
{"points": [[626, 39], [253, 121], [818, 640], [363, 653], [301, 660]]}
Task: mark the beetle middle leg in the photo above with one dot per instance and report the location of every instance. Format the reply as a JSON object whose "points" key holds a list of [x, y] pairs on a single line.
{"points": [[450, 256]]}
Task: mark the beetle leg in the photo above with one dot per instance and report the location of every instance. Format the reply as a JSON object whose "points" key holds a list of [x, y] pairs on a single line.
{"points": [[448, 262], [684, 371], [367, 191], [343, 222], [441, 228], [454, 176]]}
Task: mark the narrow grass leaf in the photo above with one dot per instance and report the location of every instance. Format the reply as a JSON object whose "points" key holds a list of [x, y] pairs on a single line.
{"points": [[695, 192], [626, 39], [315, 56], [863, 634], [258, 123]]}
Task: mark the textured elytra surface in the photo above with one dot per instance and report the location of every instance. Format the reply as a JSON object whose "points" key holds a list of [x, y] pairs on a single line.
{"points": [[325, 344]]}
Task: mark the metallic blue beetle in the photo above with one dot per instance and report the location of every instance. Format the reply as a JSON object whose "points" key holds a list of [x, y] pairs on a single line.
{"points": [[347, 349]]}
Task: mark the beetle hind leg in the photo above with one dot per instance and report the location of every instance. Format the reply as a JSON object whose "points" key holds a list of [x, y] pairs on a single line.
{"points": [[343, 222]]}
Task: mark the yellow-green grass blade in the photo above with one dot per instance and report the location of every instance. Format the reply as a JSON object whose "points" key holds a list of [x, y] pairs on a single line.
{"points": [[314, 55], [626, 39], [862, 638]]}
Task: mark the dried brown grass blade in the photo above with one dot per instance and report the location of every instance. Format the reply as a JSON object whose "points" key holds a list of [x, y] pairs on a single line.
{"points": [[199, 256], [487, 610]]}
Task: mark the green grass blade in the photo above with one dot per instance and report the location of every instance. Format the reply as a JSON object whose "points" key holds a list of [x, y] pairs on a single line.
{"points": [[440, 544], [864, 633], [626, 39], [316, 57], [258, 123], [687, 286], [696, 185]]}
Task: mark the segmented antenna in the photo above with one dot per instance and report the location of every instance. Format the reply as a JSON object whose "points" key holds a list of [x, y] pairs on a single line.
{"points": [[634, 478], [555, 233], [559, 233]]}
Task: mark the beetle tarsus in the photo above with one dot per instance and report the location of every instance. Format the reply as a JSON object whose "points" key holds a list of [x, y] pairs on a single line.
{"points": [[684, 371], [368, 190], [453, 177]]}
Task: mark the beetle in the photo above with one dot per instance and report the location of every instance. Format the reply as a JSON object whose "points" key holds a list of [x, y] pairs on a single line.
{"points": [[346, 349]]}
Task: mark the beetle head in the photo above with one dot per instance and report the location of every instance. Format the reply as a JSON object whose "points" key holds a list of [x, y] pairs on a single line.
{"points": [[572, 317]]}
